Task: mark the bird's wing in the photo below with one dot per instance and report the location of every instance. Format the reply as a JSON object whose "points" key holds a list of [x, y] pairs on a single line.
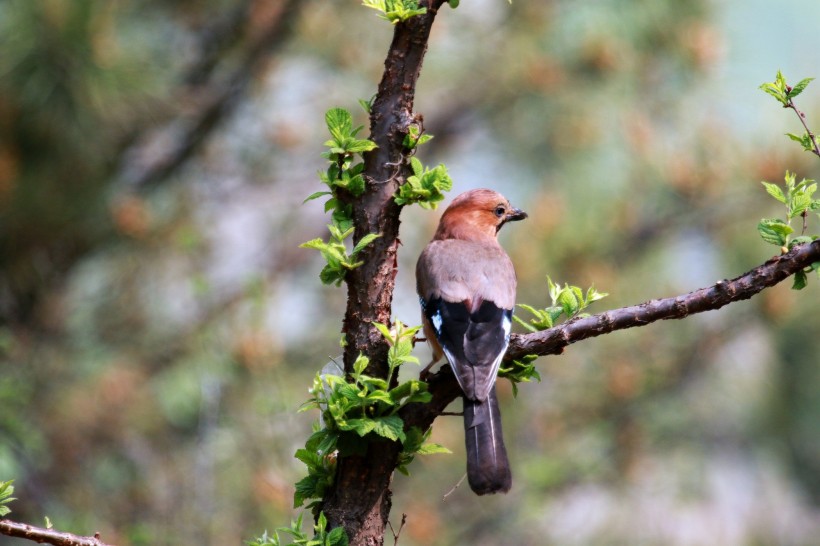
{"points": [[467, 292]]}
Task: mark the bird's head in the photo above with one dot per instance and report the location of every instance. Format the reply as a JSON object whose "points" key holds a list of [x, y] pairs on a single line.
{"points": [[477, 214]]}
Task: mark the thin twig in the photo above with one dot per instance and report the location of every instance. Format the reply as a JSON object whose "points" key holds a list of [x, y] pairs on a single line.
{"points": [[802, 116], [453, 489], [47, 536], [396, 534]]}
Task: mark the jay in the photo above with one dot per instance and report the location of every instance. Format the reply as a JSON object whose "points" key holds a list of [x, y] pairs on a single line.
{"points": [[466, 285]]}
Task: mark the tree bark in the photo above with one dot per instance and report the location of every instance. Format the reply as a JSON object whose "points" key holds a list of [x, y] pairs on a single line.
{"points": [[360, 500]]}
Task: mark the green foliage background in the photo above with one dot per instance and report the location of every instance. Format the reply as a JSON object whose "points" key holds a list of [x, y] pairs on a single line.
{"points": [[156, 345]]}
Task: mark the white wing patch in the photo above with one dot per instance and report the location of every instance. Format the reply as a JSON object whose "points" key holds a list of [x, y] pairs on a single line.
{"points": [[436, 320]]}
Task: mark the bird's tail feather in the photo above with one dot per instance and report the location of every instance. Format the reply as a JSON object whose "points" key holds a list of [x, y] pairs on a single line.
{"points": [[488, 469]]}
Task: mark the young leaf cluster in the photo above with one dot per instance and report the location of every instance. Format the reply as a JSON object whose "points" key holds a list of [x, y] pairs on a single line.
{"points": [[343, 175], [6, 492], [414, 444], [425, 186], [321, 537], [415, 137], [395, 11], [785, 94], [339, 262], [567, 300], [522, 370], [798, 198], [363, 407]]}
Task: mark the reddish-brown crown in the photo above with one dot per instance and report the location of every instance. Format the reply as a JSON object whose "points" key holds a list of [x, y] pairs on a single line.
{"points": [[477, 215]]}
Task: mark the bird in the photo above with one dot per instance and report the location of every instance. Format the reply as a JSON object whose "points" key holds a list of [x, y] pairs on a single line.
{"points": [[466, 284]]}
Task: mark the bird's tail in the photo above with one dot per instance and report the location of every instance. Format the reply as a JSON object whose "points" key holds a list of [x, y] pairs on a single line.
{"points": [[488, 469]]}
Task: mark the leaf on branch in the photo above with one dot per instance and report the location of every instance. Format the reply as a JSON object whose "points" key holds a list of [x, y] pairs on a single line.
{"points": [[774, 231], [775, 191], [395, 11], [800, 280], [6, 492], [339, 123], [799, 87], [366, 240], [426, 186]]}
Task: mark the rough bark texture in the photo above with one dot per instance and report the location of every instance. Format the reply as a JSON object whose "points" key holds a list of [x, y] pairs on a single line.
{"points": [[361, 498]]}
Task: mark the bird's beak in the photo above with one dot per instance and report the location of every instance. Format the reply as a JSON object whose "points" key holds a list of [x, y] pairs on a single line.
{"points": [[516, 214]]}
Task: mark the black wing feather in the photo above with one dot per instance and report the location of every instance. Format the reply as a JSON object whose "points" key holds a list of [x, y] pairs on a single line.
{"points": [[473, 342]]}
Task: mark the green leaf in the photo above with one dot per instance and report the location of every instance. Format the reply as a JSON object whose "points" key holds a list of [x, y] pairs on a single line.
{"points": [[306, 488], [331, 275], [800, 280], [774, 231], [416, 165], [384, 331], [775, 92], [367, 105], [6, 492], [359, 146], [432, 448], [339, 123], [800, 203], [568, 302], [407, 389], [593, 295], [526, 325], [316, 195], [799, 87], [426, 187], [775, 191], [390, 427], [337, 537], [366, 240], [800, 240], [804, 140]]}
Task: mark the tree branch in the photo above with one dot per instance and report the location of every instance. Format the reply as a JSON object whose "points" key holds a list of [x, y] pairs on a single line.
{"points": [[721, 293], [443, 385], [47, 536]]}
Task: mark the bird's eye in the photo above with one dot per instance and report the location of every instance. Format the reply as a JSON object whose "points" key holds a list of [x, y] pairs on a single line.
{"points": [[499, 211]]}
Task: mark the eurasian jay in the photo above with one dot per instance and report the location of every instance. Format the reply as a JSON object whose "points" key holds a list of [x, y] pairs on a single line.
{"points": [[466, 285]]}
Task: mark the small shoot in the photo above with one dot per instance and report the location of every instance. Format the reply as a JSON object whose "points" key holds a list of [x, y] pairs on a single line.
{"points": [[339, 262], [785, 94], [395, 11], [343, 175], [799, 201], [6, 492], [425, 186], [322, 537], [568, 301]]}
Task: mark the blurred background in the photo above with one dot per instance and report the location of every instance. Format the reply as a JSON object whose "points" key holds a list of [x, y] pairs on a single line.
{"points": [[159, 326]]}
